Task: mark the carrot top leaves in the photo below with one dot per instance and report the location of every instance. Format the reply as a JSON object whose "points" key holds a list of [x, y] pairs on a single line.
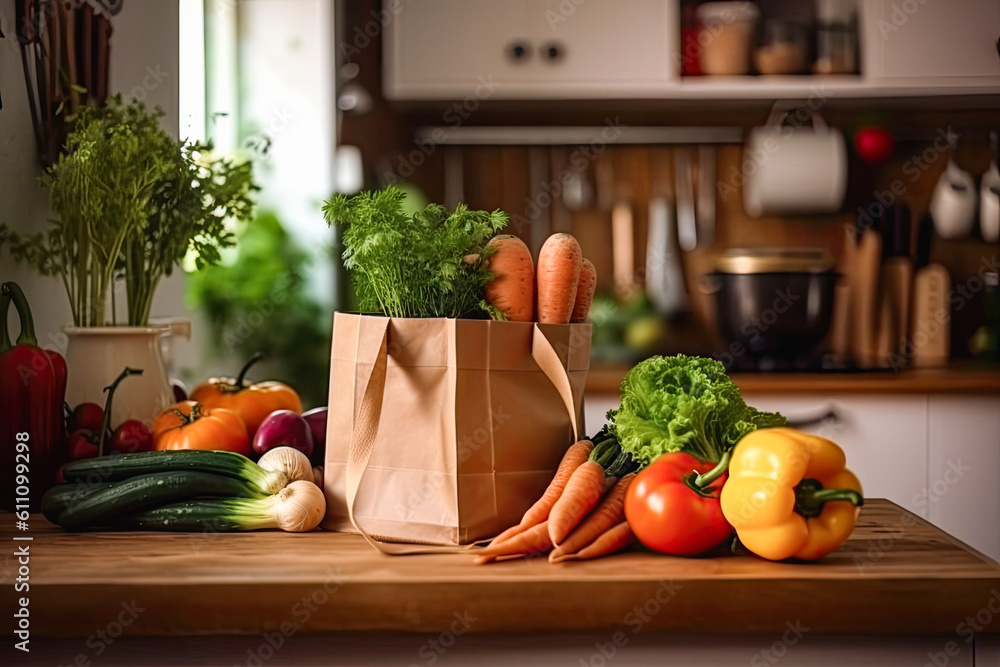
{"points": [[427, 264]]}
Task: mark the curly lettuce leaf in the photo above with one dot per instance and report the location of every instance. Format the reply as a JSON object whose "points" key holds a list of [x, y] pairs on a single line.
{"points": [[686, 404]]}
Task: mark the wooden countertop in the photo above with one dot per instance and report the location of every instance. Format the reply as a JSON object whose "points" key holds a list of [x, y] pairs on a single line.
{"points": [[957, 379], [897, 575]]}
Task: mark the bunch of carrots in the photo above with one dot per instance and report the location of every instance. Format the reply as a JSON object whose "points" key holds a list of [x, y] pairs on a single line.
{"points": [[562, 288], [581, 515]]}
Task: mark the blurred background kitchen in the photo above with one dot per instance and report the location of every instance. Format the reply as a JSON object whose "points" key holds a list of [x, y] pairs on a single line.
{"points": [[806, 190]]}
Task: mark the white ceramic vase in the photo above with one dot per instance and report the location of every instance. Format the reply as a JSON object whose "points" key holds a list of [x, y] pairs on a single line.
{"points": [[95, 356]]}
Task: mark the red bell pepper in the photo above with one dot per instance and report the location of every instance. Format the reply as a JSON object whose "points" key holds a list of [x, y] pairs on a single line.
{"points": [[673, 505], [32, 392]]}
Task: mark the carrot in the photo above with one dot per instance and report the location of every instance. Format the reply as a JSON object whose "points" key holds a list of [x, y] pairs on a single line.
{"points": [[608, 514], [617, 539], [532, 542], [559, 264], [516, 529], [582, 493], [512, 290], [584, 292], [539, 512], [574, 457]]}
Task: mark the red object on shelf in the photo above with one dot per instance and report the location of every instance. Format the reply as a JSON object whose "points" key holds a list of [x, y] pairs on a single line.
{"points": [[690, 47]]}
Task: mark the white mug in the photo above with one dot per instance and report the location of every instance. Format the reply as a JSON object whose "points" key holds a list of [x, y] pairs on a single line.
{"points": [[794, 168], [953, 204], [989, 204]]}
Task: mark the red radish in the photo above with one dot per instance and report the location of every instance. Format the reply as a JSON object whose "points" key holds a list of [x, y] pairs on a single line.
{"points": [[559, 265], [283, 428], [132, 435], [86, 416], [584, 292], [512, 290], [316, 418]]}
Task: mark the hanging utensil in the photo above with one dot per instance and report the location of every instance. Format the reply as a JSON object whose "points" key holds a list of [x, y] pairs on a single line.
{"points": [[538, 173], [664, 274], [622, 231], [706, 195], [687, 221]]}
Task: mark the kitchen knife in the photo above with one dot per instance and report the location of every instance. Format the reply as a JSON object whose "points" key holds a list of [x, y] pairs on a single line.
{"points": [[930, 321]]}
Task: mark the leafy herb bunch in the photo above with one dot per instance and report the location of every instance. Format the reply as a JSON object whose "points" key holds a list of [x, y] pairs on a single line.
{"points": [[131, 202], [428, 264]]}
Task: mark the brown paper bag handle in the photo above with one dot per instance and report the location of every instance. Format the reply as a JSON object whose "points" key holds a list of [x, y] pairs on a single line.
{"points": [[368, 413]]}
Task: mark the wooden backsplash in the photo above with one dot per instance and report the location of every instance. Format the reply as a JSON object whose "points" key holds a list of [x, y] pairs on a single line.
{"points": [[529, 183]]}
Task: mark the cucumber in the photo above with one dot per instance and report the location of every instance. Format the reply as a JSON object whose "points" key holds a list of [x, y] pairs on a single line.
{"points": [[114, 468], [216, 515], [61, 496], [143, 491]]}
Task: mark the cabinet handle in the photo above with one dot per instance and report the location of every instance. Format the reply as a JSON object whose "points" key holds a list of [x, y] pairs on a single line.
{"points": [[803, 422], [553, 51], [519, 51]]}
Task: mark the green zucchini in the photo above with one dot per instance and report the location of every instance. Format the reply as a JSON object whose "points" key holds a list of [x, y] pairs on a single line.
{"points": [[61, 496], [119, 467], [144, 491], [216, 515]]}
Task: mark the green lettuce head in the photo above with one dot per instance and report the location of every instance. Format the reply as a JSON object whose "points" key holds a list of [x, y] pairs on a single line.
{"points": [[686, 404]]}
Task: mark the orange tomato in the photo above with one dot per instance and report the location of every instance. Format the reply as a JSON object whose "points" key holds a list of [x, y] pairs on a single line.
{"points": [[252, 402], [189, 425]]}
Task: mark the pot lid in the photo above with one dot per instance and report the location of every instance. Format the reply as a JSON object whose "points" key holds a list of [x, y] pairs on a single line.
{"points": [[775, 260]]}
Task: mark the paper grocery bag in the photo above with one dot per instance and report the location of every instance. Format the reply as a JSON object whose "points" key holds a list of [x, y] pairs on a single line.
{"points": [[444, 431]]}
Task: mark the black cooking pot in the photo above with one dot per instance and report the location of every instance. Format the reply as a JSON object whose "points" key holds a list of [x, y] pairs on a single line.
{"points": [[774, 303]]}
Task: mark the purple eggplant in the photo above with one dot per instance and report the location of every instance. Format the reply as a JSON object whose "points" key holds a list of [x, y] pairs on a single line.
{"points": [[316, 418], [283, 428]]}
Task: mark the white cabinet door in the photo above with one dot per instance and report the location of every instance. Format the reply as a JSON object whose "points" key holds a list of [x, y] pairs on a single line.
{"points": [[454, 46], [928, 39], [884, 437], [598, 42], [963, 496], [454, 49]]}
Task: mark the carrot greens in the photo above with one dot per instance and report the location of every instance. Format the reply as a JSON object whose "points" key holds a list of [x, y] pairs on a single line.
{"points": [[427, 264]]}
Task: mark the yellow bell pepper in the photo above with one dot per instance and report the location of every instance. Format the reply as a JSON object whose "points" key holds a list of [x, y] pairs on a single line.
{"points": [[789, 495]]}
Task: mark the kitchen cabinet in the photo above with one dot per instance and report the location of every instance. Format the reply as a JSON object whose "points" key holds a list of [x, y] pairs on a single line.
{"points": [[891, 595], [942, 42], [483, 48], [962, 493], [936, 455], [620, 49]]}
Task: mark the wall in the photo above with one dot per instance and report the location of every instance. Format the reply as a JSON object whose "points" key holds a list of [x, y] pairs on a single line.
{"points": [[144, 64]]}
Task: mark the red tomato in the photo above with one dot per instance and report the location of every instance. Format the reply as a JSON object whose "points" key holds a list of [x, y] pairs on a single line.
{"points": [[669, 514], [132, 435]]}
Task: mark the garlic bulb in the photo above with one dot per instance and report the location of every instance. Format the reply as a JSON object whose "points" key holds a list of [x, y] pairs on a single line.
{"points": [[288, 460], [299, 507]]}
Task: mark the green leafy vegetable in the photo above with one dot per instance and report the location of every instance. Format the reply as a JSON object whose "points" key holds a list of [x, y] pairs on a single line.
{"points": [[428, 264], [130, 201], [683, 403]]}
